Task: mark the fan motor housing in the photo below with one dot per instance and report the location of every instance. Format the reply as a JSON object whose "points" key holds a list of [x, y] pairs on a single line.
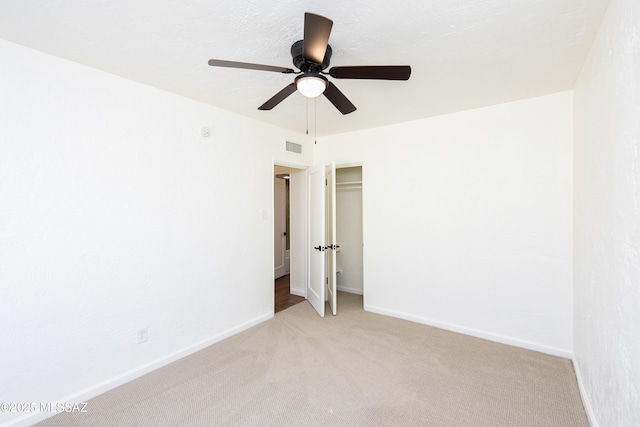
{"points": [[304, 65]]}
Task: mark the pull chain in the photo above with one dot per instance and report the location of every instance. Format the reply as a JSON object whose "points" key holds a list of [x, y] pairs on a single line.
{"points": [[315, 121], [307, 115]]}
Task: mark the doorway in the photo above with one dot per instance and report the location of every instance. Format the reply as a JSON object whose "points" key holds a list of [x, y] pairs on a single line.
{"points": [[289, 224], [349, 228], [349, 232], [281, 243]]}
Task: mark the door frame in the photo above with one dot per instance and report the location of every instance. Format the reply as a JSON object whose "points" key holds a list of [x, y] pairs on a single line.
{"points": [[364, 252]]}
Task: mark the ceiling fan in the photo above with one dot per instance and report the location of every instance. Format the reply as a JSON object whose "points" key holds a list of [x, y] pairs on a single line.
{"points": [[311, 57]]}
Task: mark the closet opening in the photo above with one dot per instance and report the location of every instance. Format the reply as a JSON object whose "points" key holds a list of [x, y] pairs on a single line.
{"points": [[349, 233]]}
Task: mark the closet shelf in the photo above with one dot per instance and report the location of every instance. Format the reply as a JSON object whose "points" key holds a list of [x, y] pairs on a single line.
{"points": [[339, 184]]}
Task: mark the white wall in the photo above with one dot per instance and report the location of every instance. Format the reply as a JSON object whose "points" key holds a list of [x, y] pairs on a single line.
{"points": [[607, 221], [116, 215], [467, 220]]}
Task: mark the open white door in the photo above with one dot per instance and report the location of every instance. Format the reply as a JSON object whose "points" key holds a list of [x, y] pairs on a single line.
{"points": [[317, 282], [332, 296]]}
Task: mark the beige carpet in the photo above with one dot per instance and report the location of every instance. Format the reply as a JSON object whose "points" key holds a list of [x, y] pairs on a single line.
{"points": [[355, 369]]}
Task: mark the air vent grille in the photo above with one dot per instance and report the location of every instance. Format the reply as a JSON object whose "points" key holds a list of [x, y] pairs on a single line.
{"points": [[294, 148]]}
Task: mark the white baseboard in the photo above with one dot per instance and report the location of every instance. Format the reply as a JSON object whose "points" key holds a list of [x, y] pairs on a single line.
{"points": [[125, 377], [349, 290], [298, 292], [567, 354], [586, 402]]}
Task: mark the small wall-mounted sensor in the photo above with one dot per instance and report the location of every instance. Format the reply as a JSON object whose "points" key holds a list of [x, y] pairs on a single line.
{"points": [[205, 131], [143, 335]]}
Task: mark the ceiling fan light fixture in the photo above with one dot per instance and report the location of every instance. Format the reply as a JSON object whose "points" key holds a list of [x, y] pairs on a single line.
{"points": [[311, 56], [311, 85]]}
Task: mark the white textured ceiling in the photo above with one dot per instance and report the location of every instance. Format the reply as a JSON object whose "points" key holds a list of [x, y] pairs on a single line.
{"points": [[464, 53]]}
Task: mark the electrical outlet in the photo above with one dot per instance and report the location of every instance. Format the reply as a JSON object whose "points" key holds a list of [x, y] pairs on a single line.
{"points": [[143, 335]]}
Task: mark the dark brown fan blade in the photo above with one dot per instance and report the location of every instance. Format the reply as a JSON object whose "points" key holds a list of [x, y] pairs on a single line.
{"points": [[278, 97], [338, 99], [374, 72], [316, 36], [248, 66]]}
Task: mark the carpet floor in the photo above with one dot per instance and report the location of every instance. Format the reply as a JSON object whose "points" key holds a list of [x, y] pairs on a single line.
{"points": [[354, 369]]}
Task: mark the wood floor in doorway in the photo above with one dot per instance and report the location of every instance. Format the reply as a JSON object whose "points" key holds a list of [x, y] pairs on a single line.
{"points": [[283, 298]]}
